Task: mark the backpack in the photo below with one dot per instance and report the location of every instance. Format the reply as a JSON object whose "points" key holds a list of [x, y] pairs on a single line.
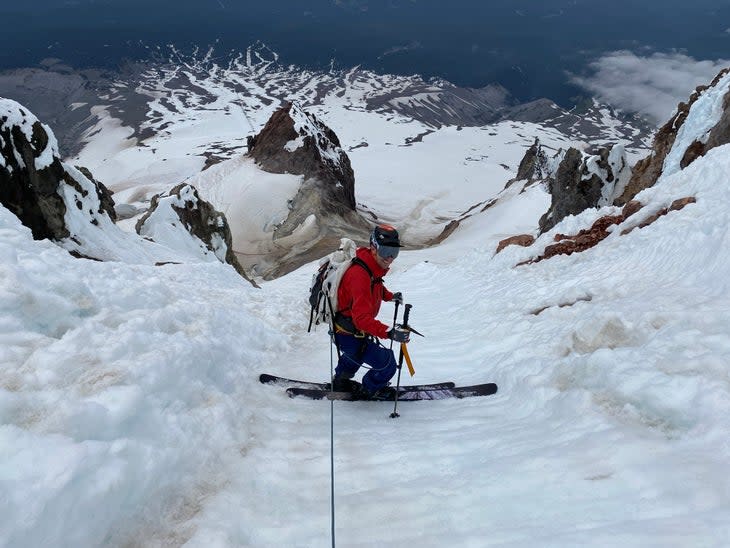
{"points": [[326, 281]]}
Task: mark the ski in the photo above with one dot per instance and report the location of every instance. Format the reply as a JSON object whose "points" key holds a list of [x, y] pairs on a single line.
{"points": [[486, 389], [325, 386]]}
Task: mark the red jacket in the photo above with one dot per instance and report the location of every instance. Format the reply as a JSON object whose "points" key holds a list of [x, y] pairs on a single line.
{"points": [[355, 300]]}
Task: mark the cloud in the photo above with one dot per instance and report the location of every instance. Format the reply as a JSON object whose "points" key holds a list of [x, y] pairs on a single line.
{"points": [[651, 85], [411, 46]]}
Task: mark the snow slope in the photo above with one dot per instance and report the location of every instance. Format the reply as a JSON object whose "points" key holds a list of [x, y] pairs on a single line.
{"points": [[131, 414]]}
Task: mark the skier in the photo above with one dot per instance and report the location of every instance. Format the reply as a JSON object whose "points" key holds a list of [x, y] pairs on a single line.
{"points": [[357, 330]]}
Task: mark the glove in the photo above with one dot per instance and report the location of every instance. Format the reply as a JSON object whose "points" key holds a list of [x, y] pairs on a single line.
{"points": [[397, 297], [398, 334]]}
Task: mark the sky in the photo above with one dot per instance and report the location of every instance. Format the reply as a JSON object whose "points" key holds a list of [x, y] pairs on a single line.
{"points": [[131, 412]]}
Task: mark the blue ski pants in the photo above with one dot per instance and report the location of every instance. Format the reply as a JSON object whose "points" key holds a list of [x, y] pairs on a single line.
{"points": [[354, 351]]}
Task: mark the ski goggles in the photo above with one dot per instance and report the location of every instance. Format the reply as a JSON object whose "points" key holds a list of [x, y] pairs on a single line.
{"points": [[387, 251]]}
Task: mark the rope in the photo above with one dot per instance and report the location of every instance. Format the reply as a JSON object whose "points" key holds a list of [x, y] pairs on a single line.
{"points": [[368, 366], [332, 445]]}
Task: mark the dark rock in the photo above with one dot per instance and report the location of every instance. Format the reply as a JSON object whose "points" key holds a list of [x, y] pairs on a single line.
{"points": [[295, 142], [534, 164], [200, 219], [34, 181], [585, 181], [105, 195], [29, 184], [570, 195]]}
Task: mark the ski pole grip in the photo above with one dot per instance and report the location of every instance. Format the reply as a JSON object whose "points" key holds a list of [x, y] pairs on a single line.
{"points": [[407, 313]]}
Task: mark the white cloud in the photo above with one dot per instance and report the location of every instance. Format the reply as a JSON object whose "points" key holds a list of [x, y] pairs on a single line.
{"points": [[652, 85]]}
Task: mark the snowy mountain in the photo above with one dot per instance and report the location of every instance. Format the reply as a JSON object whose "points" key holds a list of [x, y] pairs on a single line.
{"points": [[248, 87], [130, 409], [188, 119]]}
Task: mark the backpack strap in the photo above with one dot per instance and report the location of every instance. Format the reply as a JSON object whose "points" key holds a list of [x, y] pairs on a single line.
{"points": [[373, 280], [345, 322]]}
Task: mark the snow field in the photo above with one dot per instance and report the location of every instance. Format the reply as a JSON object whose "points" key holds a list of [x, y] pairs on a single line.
{"points": [[131, 413], [117, 385], [609, 422]]}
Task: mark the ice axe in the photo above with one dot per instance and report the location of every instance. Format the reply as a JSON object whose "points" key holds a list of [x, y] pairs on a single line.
{"points": [[404, 354]]}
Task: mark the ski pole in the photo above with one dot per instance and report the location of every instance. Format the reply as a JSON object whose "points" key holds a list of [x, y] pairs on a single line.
{"points": [[395, 414], [395, 319]]}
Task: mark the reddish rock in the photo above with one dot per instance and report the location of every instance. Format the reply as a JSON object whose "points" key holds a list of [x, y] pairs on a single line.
{"points": [[587, 238], [681, 202], [524, 240], [630, 208], [674, 206]]}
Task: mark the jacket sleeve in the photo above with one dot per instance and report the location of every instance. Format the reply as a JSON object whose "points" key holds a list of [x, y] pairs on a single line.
{"points": [[387, 295], [362, 304]]}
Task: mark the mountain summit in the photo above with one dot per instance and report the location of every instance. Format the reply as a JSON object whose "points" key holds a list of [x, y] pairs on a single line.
{"points": [[294, 141]]}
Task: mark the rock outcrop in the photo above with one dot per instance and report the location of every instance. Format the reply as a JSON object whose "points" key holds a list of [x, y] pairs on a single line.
{"points": [[522, 240], [30, 172], [106, 201], [534, 165], [296, 142], [602, 228], [699, 125], [64, 203], [37, 186], [181, 214], [585, 181], [323, 209], [712, 108]]}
